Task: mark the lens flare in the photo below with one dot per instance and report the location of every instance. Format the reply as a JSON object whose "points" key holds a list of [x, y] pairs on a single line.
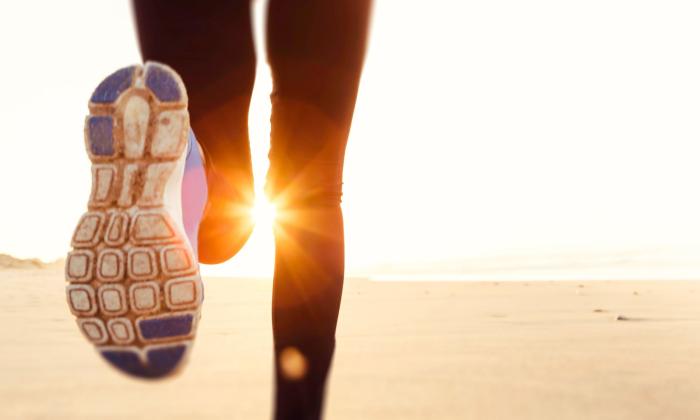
{"points": [[293, 364], [264, 213]]}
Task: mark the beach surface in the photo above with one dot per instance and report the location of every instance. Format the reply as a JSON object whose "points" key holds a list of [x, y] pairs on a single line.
{"points": [[406, 350]]}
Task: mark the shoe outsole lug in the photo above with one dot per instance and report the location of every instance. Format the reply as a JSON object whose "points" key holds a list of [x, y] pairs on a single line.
{"points": [[144, 297], [136, 117], [110, 265], [141, 264], [103, 179], [114, 85], [183, 293], [165, 85], [129, 176], [176, 261], [152, 227], [116, 229], [166, 327], [157, 176], [93, 329], [120, 330], [89, 230], [133, 282], [152, 361], [81, 299], [79, 265]]}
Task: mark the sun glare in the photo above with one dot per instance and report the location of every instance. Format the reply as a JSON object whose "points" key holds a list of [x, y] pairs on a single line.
{"points": [[263, 213]]}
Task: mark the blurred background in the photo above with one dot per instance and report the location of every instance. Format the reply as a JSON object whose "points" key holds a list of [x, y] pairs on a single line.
{"points": [[499, 139]]}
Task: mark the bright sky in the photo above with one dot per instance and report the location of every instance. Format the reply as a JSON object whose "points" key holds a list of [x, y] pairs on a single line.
{"points": [[482, 129]]}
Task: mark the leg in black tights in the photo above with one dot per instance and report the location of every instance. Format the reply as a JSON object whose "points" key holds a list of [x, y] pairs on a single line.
{"points": [[316, 50], [210, 44]]}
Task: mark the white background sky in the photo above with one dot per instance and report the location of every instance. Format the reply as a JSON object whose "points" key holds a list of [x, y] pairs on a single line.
{"points": [[482, 130]]}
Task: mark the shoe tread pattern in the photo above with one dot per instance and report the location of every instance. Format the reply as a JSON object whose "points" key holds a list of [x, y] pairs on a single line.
{"points": [[133, 282]]}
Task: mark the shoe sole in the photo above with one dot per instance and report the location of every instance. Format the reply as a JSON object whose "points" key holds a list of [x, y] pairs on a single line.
{"points": [[134, 283]]}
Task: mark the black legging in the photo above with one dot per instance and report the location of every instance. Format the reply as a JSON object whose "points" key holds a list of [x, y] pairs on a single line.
{"points": [[316, 50]]}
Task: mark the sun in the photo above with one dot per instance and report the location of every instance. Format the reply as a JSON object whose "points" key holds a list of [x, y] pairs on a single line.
{"points": [[264, 213]]}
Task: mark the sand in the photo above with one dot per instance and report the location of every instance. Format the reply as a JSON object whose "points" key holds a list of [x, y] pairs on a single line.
{"points": [[429, 350]]}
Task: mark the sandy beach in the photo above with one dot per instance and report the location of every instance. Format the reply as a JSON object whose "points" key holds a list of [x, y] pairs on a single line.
{"points": [[406, 350]]}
